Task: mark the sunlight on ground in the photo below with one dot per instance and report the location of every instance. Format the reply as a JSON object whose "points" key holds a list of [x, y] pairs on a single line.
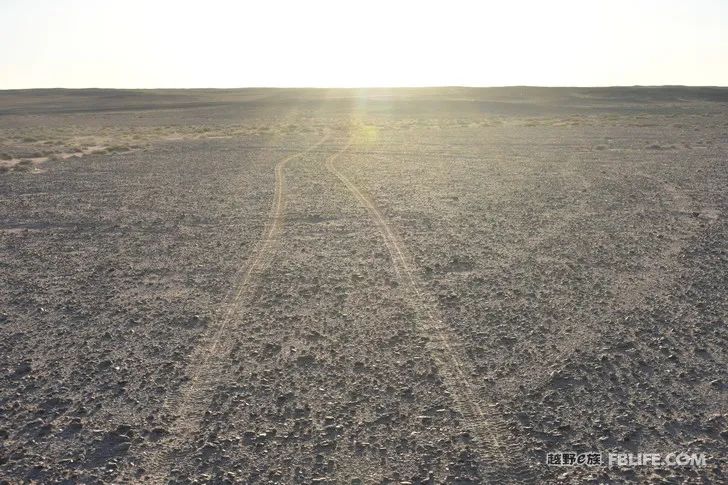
{"points": [[362, 134]]}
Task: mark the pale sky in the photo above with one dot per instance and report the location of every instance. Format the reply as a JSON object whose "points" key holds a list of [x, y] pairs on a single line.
{"points": [[215, 43]]}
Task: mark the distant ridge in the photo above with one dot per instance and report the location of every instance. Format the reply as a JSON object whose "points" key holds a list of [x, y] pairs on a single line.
{"points": [[63, 100]]}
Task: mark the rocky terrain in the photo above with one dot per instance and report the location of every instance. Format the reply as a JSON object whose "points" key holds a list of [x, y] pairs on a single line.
{"points": [[362, 286]]}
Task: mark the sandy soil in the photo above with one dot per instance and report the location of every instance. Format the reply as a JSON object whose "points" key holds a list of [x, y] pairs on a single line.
{"points": [[346, 286]]}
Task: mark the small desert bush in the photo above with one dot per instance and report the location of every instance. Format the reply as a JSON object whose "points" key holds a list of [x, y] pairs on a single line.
{"points": [[23, 165]]}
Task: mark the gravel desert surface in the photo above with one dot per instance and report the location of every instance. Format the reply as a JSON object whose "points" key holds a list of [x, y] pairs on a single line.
{"points": [[434, 285]]}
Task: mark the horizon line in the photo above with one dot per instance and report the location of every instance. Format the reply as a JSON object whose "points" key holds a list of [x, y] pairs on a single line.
{"points": [[444, 86]]}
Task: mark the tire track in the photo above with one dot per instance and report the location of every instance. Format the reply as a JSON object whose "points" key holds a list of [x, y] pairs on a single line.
{"points": [[190, 404], [502, 456]]}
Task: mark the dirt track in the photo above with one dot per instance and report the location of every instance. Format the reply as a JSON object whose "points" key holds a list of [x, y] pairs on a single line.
{"points": [[320, 287], [493, 440], [205, 367]]}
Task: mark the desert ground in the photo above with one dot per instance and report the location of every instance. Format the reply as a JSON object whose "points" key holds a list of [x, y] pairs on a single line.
{"points": [[362, 286]]}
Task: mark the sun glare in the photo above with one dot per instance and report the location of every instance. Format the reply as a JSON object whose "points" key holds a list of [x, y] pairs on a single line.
{"points": [[375, 43]]}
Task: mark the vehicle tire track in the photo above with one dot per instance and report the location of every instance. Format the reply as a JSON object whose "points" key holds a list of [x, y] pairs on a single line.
{"points": [[206, 365], [502, 456]]}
